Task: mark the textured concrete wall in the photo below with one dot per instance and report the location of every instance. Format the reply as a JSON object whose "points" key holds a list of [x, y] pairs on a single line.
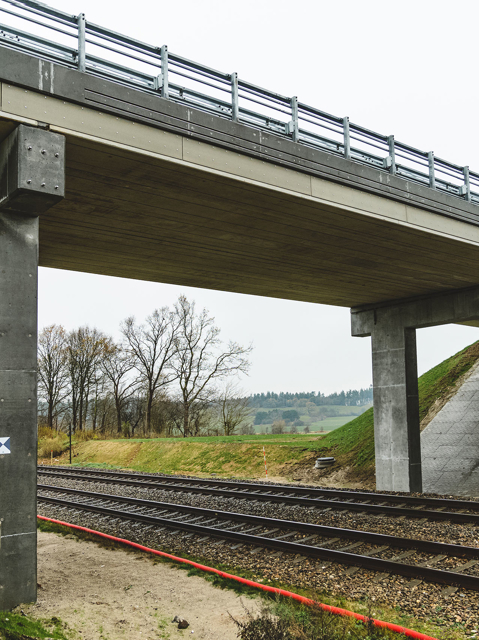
{"points": [[450, 444], [18, 407]]}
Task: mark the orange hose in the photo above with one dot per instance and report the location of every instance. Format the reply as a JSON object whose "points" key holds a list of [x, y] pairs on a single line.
{"points": [[336, 610]]}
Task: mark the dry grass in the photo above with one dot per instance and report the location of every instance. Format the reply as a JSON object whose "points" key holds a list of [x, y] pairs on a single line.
{"points": [[56, 445]]}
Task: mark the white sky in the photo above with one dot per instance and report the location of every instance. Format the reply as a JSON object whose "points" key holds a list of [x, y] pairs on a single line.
{"points": [[397, 68]]}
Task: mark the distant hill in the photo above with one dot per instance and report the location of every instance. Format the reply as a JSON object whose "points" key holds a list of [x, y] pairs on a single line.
{"points": [[351, 398]]}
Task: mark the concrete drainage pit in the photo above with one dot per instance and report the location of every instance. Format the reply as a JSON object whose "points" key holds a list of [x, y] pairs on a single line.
{"points": [[324, 463]]}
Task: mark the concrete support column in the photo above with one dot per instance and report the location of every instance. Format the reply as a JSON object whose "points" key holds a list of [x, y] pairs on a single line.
{"points": [[392, 327], [396, 408], [31, 181], [18, 407]]}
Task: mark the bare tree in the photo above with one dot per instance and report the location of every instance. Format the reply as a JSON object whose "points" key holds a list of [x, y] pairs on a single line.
{"points": [[116, 365], [200, 361], [233, 409], [152, 347], [278, 426], [86, 349], [52, 369]]}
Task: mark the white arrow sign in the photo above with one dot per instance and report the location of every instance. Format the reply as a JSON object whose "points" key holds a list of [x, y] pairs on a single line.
{"points": [[4, 446]]}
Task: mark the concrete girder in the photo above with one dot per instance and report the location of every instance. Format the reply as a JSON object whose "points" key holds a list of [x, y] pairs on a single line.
{"points": [[28, 179], [392, 328]]}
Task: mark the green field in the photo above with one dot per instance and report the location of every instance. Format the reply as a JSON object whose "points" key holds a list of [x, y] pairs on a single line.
{"points": [[343, 415]]}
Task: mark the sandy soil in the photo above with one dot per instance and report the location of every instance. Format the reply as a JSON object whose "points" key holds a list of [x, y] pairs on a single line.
{"points": [[105, 594]]}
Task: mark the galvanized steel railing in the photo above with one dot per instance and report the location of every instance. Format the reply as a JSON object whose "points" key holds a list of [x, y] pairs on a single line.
{"points": [[70, 40]]}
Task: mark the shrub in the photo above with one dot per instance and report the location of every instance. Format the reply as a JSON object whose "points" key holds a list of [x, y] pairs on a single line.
{"points": [[84, 436], [265, 626], [58, 445], [46, 432], [285, 620]]}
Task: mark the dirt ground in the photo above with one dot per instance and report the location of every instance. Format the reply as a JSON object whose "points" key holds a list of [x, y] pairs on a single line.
{"points": [[110, 594]]}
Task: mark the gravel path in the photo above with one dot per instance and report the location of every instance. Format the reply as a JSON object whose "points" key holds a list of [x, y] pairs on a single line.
{"points": [[423, 600]]}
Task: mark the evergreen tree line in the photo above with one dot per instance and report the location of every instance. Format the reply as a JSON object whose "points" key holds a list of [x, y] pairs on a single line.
{"points": [[170, 375], [353, 397]]}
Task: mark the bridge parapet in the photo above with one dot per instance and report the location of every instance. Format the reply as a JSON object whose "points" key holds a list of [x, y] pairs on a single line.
{"points": [[76, 43]]}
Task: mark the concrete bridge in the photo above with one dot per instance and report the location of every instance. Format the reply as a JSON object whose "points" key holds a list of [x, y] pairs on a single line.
{"points": [[111, 170]]}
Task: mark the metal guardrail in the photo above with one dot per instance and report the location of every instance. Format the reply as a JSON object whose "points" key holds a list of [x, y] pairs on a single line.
{"points": [[54, 35]]}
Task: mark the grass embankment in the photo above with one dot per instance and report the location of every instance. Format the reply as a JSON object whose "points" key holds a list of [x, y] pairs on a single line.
{"points": [[353, 443], [234, 456]]}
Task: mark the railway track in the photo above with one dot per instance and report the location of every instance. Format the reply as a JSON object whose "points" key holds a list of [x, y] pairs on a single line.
{"points": [[457, 511], [429, 561]]}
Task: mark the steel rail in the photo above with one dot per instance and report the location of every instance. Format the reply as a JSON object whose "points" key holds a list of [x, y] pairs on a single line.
{"points": [[264, 494], [331, 555], [445, 502], [369, 537], [79, 57]]}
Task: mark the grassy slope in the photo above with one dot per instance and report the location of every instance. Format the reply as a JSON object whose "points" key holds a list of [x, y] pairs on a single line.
{"points": [[353, 444], [237, 455]]}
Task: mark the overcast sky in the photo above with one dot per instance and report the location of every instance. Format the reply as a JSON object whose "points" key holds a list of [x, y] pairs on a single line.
{"points": [[397, 68]]}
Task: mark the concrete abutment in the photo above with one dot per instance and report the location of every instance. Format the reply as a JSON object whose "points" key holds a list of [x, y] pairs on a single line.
{"points": [[392, 328], [31, 180]]}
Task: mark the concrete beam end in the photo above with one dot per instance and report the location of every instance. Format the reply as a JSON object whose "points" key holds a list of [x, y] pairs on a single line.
{"points": [[32, 171], [362, 323]]}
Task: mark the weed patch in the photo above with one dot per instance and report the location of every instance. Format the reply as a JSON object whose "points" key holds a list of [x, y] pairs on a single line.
{"points": [[14, 626]]}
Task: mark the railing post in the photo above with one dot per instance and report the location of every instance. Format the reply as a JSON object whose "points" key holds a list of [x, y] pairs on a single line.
{"points": [[165, 92], [294, 124], [347, 139], [81, 21], [392, 155], [432, 175], [466, 188], [234, 97]]}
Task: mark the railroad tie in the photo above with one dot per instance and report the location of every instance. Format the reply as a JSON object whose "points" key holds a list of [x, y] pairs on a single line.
{"points": [[416, 582], [252, 529], [372, 552], [299, 559], [288, 535], [258, 549], [331, 541], [351, 546], [445, 593], [303, 540], [406, 554], [468, 565]]}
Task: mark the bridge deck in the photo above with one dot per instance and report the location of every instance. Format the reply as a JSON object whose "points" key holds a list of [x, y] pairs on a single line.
{"points": [[182, 197]]}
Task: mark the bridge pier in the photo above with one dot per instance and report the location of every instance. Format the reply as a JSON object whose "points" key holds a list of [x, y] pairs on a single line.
{"points": [[392, 327], [31, 181]]}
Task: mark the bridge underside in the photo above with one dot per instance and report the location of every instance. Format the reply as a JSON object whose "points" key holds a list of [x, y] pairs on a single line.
{"points": [[180, 211], [135, 217]]}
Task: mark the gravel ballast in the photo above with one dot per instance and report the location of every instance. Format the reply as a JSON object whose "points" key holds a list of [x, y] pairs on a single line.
{"points": [[422, 600]]}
